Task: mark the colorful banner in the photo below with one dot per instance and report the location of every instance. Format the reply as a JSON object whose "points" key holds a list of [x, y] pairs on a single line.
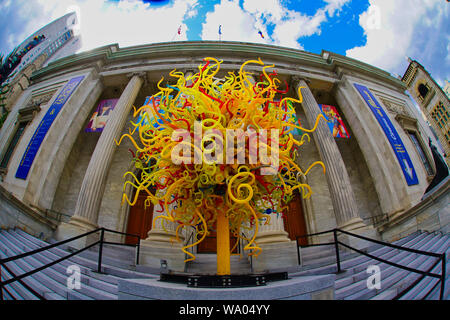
{"points": [[335, 123], [44, 126], [394, 139], [101, 115]]}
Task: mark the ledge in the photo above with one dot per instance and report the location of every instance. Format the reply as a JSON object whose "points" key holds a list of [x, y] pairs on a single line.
{"points": [[428, 199], [299, 288], [6, 196], [112, 54]]}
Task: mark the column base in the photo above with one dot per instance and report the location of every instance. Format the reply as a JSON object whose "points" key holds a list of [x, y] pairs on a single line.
{"points": [[275, 255], [353, 224], [72, 229], [153, 251], [274, 236]]}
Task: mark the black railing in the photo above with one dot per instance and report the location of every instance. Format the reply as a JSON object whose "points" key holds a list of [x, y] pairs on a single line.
{"points": [[441, 258], [18, 278]]}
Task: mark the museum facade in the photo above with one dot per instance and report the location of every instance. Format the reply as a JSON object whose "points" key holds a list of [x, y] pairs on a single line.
{"points": [[59, 153]]}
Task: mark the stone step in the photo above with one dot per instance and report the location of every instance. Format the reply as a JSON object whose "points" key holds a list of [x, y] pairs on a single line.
{"points": [[38, 281], [87, 263], [393, 277], [62, 267], [359, 271], [52, 279], [358, 285], [207, 264], [425, 285]]}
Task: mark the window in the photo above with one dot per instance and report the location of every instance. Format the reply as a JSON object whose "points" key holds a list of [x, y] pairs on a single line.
{"points": [[12, 144], [441, 117], [423, 90], [421, 152]]}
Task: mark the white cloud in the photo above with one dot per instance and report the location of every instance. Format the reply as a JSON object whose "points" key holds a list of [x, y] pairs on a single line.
{"points": [[400, 28], [237, 24], [243, 24], [127, 22]]}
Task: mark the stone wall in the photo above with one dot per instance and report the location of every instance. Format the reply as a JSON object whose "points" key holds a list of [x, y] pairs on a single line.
{"points": [[431, 214], [72, 176], [14, 213]]}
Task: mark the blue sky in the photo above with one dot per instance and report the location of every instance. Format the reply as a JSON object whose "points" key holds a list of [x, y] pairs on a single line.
{"points": [[380, 32]]}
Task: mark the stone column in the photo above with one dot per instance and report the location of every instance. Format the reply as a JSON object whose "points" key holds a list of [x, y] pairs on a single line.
{"points": [[342, 197], [93, 185]]}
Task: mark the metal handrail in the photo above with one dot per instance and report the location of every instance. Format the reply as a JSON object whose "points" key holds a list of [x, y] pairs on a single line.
{"points": [[441, 258], [19, 278]]}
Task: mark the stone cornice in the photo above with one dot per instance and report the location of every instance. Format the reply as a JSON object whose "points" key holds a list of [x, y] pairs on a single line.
{"points": [[113, 54], [348, 64]]}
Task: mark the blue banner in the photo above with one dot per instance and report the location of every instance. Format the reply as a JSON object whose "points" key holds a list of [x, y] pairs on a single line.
{"points": [[392, 135], [44, 126]]}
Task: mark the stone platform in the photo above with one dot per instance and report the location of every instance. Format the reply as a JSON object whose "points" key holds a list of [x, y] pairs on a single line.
{"points": [[299, 288]]}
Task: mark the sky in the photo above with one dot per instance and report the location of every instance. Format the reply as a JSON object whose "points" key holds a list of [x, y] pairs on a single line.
{"points": [[382, 33]]}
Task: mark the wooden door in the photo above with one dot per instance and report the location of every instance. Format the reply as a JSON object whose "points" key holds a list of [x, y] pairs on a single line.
{"points": [[139, 220], [294, 220]]}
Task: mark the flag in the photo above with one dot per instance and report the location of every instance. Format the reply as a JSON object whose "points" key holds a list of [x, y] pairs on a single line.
{"points": [[179, 30], [261, 34], [220, 29]]}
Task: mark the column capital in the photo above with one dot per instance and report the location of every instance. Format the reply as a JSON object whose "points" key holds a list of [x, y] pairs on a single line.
{"points": [[140, 74], [295, 80]]}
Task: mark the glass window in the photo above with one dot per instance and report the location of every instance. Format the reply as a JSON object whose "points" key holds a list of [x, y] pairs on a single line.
{"points": [[12, 144], [421, 153]]}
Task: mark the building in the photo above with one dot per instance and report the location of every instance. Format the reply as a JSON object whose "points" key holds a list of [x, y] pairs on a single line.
{"points": [[53, 160], [56, 40], [433, 101]]}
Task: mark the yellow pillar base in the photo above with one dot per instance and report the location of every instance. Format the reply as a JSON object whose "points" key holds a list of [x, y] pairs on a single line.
{"points": [[223, 245]]}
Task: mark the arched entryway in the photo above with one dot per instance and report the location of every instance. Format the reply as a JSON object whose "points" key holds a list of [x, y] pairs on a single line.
{"points": [[294, 219]]}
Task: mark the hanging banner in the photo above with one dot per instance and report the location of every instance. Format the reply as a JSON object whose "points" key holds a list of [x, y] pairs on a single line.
{"points": [[44, 126], [335, 123], [397, 144], [101, 115]]}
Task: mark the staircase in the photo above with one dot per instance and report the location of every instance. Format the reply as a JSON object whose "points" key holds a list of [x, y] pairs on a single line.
{"points": [[351, 284], [118, 263], [51, 282], [207, 264]]}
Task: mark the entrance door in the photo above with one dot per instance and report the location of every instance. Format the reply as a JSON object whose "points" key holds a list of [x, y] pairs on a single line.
{"points": [[294, 220], [139, 220]]}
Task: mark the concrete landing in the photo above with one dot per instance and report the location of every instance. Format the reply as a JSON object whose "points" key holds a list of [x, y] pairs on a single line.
{"points": [[299, 288]]}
